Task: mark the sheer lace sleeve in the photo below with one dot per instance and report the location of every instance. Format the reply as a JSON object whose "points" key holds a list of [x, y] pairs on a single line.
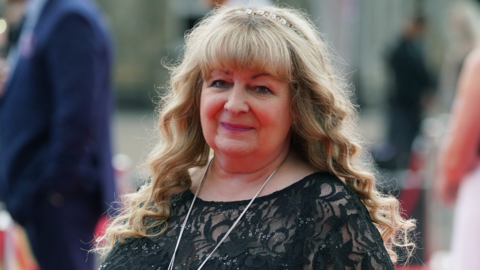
{"points": [[344, 237]]}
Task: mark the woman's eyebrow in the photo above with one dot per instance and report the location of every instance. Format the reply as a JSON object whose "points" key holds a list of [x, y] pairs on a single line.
{"points": [[260, 74], [218, 72]]}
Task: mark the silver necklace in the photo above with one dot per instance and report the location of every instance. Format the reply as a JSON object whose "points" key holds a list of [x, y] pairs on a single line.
{"points": [[170, 266]]}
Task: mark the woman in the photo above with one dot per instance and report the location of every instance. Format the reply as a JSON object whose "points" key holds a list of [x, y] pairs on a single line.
{"points": [[284, 187], [460, 165]]}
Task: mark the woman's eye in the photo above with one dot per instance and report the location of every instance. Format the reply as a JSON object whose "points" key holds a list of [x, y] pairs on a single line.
{"points": [[219, 84], [263, 90]]}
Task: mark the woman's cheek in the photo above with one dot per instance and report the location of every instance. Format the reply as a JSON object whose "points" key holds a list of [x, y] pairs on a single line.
{"points": [[210, 108]]}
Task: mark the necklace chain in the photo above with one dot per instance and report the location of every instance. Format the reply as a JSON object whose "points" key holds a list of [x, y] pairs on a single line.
{"points": [[170, 267]]}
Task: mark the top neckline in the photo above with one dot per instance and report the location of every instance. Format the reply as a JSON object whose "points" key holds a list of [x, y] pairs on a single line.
{"points": [[260, 198]]}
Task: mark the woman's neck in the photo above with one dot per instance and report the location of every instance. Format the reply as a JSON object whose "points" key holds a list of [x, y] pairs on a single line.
{"points": [[245, 169], [228, 183]]}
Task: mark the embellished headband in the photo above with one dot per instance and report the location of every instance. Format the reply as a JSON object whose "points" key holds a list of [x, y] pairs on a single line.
{"points": [[271, 16]]}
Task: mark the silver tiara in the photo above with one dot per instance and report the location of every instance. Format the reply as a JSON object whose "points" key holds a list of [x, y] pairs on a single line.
{"points": [[271, 16]]}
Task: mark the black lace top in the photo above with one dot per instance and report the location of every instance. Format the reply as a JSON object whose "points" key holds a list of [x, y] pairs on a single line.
{"points": [[316, 223]]}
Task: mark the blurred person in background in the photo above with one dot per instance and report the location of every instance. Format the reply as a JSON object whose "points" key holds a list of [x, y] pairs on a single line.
{"points": [[412, 84], [464, 34], [256, 112], [13, 15], [235, 3], [56, 176], [459, 166]]}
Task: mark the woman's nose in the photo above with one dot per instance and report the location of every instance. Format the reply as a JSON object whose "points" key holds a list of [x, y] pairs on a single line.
{"points": [[236, 100]]}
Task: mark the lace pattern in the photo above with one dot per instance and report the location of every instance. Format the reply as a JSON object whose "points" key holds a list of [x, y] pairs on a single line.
{"points": [[316, 223]]}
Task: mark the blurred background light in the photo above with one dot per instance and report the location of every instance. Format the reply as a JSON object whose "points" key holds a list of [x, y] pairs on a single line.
{"points": [[3, 26]]}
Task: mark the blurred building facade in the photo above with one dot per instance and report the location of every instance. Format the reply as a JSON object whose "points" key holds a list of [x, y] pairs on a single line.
{"points": [[148, 32], [361, 32]]}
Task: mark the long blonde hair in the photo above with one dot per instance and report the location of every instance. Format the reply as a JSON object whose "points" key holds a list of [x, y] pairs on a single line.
{"points": [[323, 133]]}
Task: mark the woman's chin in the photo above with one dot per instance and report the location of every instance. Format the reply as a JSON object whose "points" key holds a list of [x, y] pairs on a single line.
{"points": [[233, 148]]}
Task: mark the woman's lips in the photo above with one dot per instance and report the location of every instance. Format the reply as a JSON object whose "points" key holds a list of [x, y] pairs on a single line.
{"points": [[235, 128]]}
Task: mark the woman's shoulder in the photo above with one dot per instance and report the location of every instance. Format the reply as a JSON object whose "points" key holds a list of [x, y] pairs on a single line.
{"points": [[472, 62], [326, 195], [321, 189], [339, 214], [132, 253], [327, 185]]}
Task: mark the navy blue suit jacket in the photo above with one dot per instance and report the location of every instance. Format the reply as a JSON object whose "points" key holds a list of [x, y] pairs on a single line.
{"points": [[55, 112]]}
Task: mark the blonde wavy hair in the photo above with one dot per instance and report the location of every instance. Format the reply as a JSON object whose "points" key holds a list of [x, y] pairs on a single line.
{"points": [[323, 133]]}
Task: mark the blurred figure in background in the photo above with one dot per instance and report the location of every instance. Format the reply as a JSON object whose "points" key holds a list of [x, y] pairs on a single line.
{"points": [[459, 177], [235, 3], [56, 176], [463, 33], [13, 15], [412, 84]]}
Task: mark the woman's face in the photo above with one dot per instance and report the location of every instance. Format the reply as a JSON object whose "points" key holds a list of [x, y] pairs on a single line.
{"points": [[245, 113]]}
